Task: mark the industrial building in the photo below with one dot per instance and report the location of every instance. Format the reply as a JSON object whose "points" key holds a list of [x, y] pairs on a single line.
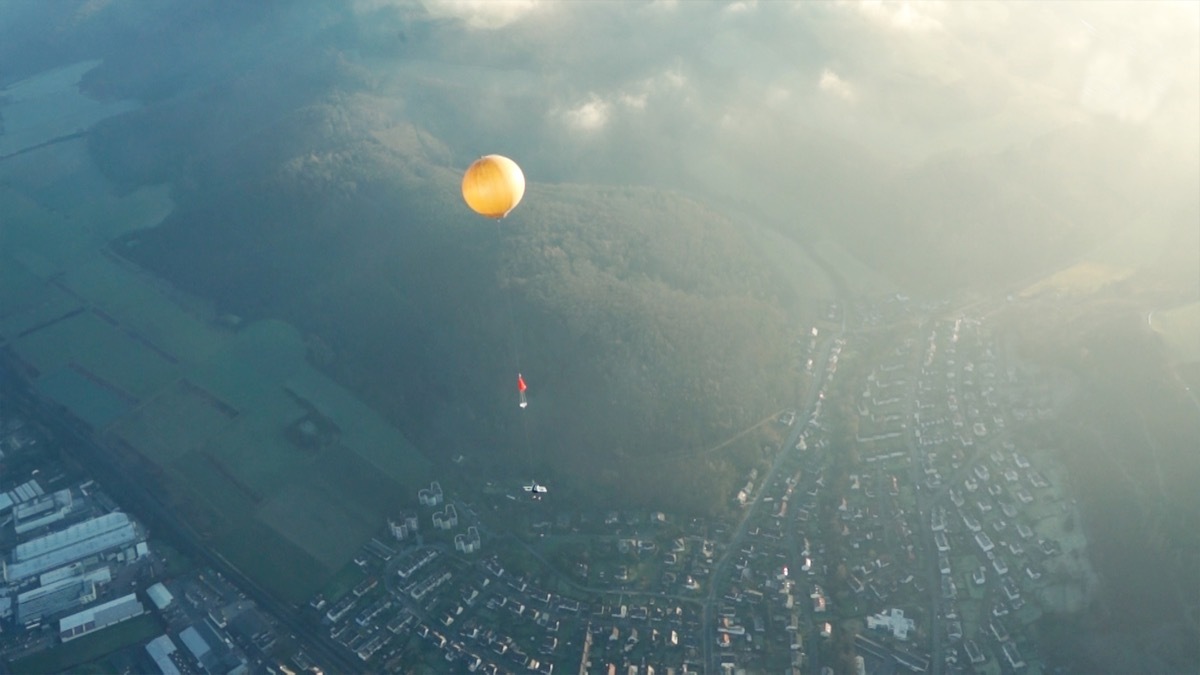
{"points": [[101, 616], [78, 541], [160, 649], [60, 595], [41, 511], [208, 647], [160, 596], [20, 494]]}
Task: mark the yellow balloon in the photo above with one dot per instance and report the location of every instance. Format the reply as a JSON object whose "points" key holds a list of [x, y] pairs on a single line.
{"points": [[493, 186]]}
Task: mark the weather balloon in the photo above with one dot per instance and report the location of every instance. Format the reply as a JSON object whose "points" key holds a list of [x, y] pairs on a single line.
{"points": [[493, 186]]}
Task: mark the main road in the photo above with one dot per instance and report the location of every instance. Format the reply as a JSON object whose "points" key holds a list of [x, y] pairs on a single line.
{"points": [[717, 579]]}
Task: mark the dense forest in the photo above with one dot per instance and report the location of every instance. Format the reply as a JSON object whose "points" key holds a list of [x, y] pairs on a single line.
{"points": [[644, 322], [313, 154], [1128, 438]]}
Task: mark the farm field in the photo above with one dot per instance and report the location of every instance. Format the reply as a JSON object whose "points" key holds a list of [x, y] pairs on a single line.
{"points": [[100, 348], [40, 304], [209, 408], [50, 106], [180, 419]]}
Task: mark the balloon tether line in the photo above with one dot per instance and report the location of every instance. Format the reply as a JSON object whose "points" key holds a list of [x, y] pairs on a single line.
{"points": [[512, 341]]}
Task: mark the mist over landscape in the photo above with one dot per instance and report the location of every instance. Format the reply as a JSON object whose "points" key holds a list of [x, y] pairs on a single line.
{"points": [[235, 253]]}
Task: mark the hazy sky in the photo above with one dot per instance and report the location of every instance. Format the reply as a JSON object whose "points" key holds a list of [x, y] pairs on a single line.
{"points": [[909, 78], [858, 111], [749, 100]]}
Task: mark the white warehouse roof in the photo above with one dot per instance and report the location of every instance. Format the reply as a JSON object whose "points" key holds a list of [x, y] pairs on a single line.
{"points": [[95, 618], [160, 649], [160, 596], [70, 535], [195, 643], [68, 545]]}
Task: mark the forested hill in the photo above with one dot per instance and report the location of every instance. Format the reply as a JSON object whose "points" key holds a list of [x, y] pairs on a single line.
{"points": [[644, 322]]}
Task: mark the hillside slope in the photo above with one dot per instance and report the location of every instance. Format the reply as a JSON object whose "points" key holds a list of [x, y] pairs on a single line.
{"points": [[643, 322]]}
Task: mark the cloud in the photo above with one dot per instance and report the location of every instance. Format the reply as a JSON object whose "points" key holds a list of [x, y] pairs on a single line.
{"points": [[769, 89], [900, 16], [1112, 87], [741, 6], [599, 110], [635, 101], [1130, 69], [591, 115], [663, 5], [831, 84], [482, 14]]}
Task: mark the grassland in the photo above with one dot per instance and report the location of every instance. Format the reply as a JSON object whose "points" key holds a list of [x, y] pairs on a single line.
{"points": [[50, 105], [20, 291], [85, 398], [1084, 278], [180, 419], [100, 348]]}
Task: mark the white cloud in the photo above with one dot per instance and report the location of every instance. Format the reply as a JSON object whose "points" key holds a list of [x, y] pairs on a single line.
{"points": [[663, 5], [1131, 62], [831, 83], [673, 79], [902, 16], [1112, 86], [741, 6], [777, 95], [482, 14], [635, 101], [90, 8], [638, 95], [589, 116]]}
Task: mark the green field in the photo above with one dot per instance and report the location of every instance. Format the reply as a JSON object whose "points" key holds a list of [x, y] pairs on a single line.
{"points": [[209, 407], [1083, 278], [95, 404], [20, 292], [143, 305], [363, 431], [49, 105], [272, 561], [178, 420], [29, 225], [256, 450], [60, 178], [43, 303], [103, 350], [343, 582]]}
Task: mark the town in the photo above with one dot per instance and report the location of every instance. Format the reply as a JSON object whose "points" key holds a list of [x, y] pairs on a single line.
{"points": [[911, 517]]}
